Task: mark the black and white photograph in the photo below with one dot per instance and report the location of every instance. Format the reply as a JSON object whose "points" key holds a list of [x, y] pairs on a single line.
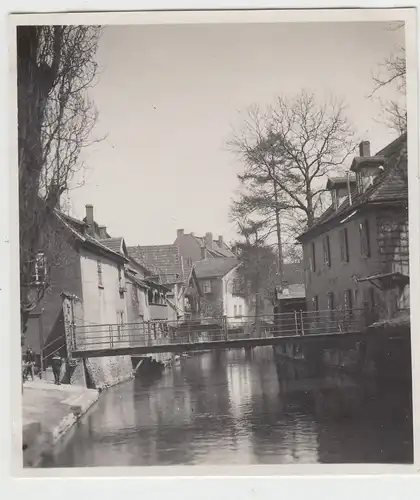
{"points": [[214, 233]]}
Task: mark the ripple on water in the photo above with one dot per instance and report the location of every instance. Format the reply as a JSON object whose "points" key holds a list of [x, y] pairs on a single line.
{"points": [[226, 409]]}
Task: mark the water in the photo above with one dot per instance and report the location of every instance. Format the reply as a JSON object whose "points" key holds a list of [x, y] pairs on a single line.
{"points": [[233, 408]]}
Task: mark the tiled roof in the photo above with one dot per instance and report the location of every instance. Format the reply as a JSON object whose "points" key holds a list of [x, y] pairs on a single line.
{"points": [[216, 250], [391, 184], [164, 259], [115, 244], [334, 181], [75, 225], [214, 268]]}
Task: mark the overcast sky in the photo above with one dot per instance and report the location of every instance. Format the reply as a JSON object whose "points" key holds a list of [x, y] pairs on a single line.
{"points": [[169, 96]]}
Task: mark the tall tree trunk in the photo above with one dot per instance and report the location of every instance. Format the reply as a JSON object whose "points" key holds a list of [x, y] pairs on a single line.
{"points": [[278, 233]]}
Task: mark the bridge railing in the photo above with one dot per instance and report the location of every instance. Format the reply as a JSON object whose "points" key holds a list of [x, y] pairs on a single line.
{"points": [[152, 333]]}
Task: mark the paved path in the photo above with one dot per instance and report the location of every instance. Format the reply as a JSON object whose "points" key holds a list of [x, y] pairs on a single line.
{"points": [[48, 413]]}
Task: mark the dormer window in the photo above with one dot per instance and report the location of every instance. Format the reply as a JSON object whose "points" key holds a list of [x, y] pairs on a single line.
{"points": [[366, 167], [339, 188]]}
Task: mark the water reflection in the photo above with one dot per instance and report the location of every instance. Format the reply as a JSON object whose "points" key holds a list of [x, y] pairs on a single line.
{"points": [[234, 407]]}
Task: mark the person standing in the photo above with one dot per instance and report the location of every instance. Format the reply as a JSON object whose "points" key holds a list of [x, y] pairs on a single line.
{"points": [[29, 363], [56, 366]]}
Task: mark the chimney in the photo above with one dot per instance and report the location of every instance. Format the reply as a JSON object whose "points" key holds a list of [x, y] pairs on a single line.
{"points": [[364, 148], [203, 252], [89, 219], [102, 233], [179, 233], [209, 240], [221, 241]]}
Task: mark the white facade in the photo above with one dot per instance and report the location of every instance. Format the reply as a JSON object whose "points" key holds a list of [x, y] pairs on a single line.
{"points": [[234, 306], [103, 284]]}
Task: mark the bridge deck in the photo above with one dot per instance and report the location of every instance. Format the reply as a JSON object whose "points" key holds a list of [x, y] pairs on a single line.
{"points": [[124, 350]]}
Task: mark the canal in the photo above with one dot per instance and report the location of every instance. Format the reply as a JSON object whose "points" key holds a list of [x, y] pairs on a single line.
{"points": [[234, 407]]}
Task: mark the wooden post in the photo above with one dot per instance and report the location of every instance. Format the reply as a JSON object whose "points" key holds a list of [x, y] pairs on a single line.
{"points": [[41, 346]]}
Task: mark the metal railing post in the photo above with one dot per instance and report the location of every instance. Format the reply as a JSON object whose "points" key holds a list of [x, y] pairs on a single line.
{"points": [[111, 340], [301, 324], [296, 324]]}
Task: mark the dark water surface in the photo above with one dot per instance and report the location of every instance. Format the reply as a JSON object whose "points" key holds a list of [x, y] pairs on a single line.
{"points": [[234, 407]]}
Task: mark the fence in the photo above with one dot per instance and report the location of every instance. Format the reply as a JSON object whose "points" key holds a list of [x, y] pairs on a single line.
{"points": [[151, 333]]}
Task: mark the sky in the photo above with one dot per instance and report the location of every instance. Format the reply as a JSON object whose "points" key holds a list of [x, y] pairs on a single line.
{"points": [[169, 98]]}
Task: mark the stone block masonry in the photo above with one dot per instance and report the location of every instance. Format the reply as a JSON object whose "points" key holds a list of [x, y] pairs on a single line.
{"points": [[108, 371], [48, 412]]}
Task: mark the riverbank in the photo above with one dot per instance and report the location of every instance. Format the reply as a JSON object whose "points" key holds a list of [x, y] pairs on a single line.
{"points": [[48, 412]]}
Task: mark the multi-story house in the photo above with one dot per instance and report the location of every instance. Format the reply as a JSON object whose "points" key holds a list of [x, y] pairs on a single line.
{"points": [[91, 273], [214, 290], [193, 248], [356, 254], [166, 267]]}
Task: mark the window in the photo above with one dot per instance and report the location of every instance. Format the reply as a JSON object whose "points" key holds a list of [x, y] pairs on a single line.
{"points": [[240, 311], [331, 305], [235, 311], [348, 300], [100, 278], [312, 260], [120, 317], [327, 252], [207, 286], [315, 303], [40, 271], [344, 245], [330, 301], [364, 238]]}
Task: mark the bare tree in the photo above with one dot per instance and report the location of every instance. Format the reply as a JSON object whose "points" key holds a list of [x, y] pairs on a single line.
{"points": [[258, 270], [56, 67], [288, 151], [392, 73]]}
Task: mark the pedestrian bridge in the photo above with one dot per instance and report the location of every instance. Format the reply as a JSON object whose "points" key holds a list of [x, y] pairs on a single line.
{"points": [[147, 337]]}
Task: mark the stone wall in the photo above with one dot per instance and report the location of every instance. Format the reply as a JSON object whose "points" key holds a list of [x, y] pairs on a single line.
{"points": [[107, 371]]}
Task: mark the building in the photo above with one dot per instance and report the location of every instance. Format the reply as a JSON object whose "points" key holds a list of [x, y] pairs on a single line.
{"points": [[193, 248], [166, 266], [91, 273], [356, 254], [214, 290]]}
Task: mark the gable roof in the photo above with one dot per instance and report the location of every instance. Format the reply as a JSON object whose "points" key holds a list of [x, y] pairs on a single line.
{"points": [[115, 244], [216, 250], [76, 228], [390, 185], [214, 268], [164, 260]]}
